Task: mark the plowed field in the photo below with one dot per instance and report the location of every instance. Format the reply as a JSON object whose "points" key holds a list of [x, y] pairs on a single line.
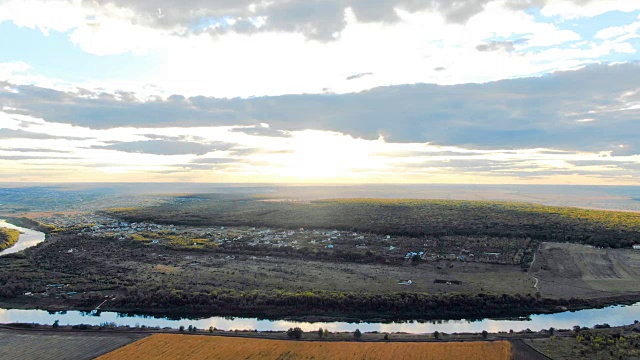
{"points": [[176, 347]]}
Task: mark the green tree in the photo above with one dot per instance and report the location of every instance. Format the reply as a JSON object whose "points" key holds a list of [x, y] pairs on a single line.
{"points": [[484, 334], [357, 334], [56, 324], [294, 333], [320, 332], [436, 335]]}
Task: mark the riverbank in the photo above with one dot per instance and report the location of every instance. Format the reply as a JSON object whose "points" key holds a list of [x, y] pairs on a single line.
{"points": [[615, 316], [8, 237], [29, 224], [512, 311]]}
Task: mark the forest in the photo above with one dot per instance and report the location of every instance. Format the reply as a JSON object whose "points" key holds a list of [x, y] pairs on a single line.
{"points": [[402, 217]]}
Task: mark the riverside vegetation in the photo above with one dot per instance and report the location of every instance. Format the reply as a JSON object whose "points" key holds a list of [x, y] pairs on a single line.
{"points": [[8, 237]]}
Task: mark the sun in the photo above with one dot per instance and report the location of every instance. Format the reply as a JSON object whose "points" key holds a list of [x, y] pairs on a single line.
{"points": [[323, 155]]}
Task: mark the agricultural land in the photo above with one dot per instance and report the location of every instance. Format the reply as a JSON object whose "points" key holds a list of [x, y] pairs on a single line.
{"points": [[178, 347], [16, 344]]}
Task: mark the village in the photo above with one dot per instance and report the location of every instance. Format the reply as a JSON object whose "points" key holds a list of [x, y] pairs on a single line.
{"points": [[314, 243]]}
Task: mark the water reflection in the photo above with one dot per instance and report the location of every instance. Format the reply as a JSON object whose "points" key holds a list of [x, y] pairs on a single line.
{"points": [[27, 239], [614, 316]]}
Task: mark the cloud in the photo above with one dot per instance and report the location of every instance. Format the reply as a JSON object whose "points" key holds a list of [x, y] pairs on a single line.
{"points": [[500, 45], [30, 157], [261, 131], [22, 134], [32, 150], [317, 20], [322, 20], [165, 147], [214, 160], [358, 75], [516, 113]]}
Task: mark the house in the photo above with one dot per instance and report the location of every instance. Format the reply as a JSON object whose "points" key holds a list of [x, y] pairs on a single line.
{"points": [[402, 282], [636, 246], [330, 246]]}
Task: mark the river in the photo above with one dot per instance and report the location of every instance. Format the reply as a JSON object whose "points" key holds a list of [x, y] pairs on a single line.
{"points": [[613, 315], [27, 239]]}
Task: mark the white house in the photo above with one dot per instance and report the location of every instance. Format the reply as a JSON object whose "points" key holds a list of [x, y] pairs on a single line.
{"points": [[636, 246]]}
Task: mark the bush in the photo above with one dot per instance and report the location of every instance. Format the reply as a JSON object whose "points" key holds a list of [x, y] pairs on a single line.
{"points": [[294, 333]]}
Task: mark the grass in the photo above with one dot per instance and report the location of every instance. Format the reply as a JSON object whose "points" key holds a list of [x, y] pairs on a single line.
{"points": [[164, 346], [8, 237], [593, 344]]}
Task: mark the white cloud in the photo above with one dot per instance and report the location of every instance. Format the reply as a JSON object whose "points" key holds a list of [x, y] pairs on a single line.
{"points": [[568, 9], [305, 156], [9, 70], [45, 15], [110, 36], [270, 63], [619, 33]]}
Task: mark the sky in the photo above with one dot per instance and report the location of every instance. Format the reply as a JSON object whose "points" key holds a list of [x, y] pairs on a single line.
{"points": [[320, 91]]}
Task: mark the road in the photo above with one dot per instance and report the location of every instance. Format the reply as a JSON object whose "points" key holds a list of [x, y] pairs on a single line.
{"points": [[529, 270]]}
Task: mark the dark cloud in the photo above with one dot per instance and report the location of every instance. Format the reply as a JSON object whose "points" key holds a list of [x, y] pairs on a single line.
{"points": [[213, 160], [29, 157], [261, 131], [317, 19], [174, 138], [509, 114], [166, 147], [22, 134], [23, 150], [359, 75], [507, 46]]}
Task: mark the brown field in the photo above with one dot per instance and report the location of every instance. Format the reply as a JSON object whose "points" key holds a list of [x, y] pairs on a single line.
{"points": [[578, 270], [193, 347], [32, 345]]}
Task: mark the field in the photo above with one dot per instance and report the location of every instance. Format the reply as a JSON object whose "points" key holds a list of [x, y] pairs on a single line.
{"points": [[592, 344], [584, 271], [187, 347], [58, 345]]}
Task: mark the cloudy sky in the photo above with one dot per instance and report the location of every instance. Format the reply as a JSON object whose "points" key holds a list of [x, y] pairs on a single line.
{"points": [[320, 91]]}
